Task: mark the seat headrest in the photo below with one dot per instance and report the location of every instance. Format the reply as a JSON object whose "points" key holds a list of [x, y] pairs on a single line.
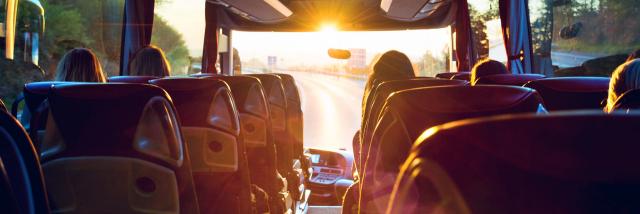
{"points": [[447, 75], [508, 79], [248, 94], [100, 117], [290, 88], [462, 76], [420, 108], [569, 162], [273, 88], [35, 93], [628, 101], [202, 102], [570, 93], [387, 88], [131, 79], [205, 75]]}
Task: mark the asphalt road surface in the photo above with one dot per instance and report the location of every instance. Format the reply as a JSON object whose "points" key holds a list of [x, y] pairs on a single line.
{"points": [[331, 107]]}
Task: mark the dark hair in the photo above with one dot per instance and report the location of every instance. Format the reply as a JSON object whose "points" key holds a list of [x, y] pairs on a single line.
{"points": [[149, 61], [79, 65], [485, 68], [634, 55]]}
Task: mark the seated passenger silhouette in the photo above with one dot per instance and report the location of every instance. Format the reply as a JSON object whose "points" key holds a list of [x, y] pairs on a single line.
{"points": [[626, 77], [79, 65], [150, 61], [392, 65], [485, 68]]}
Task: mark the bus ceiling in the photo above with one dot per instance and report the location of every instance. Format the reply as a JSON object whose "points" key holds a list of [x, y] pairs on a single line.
{"points": [[347, 15]]}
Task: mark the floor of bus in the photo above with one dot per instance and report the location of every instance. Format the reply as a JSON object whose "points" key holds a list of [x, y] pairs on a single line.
{"points": [[324, 210]]}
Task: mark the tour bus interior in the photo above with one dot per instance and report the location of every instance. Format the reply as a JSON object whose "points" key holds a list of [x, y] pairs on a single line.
{"points": [[281, 106]]}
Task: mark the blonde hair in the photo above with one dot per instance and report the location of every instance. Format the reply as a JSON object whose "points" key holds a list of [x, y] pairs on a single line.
{"points": [[150, 61], [486, 67], [626, 77], [79, 65]]}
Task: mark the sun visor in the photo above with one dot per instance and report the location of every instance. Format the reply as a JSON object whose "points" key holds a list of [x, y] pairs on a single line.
{"points": [[264, 11]]}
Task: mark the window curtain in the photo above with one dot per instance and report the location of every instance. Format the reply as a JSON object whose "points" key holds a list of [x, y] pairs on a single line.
{"points": [[210, 49], [136, 30], [514, 17], [464, 43]]}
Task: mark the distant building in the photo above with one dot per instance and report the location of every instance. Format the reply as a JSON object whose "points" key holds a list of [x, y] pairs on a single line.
{"points": [[358, 58], [272, 62]]}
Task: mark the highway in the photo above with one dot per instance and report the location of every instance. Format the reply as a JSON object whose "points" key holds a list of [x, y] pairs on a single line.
{"points": [[331, 107]]}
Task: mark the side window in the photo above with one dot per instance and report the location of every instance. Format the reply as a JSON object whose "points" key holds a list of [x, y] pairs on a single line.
{"points": [[487, 30], [591, 38], [178, 29]]}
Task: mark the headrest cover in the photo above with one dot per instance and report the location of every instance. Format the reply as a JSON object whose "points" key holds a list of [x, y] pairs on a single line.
{"points": [[108, 119], [571, 93], [248, 94], [202, 102], [569, 163]]}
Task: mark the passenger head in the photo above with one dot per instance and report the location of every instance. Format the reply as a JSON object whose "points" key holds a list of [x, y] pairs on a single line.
{"points": [[149, 61], [79, 65], [392, 65], [626, 77], [634, 55], [485, 68]]}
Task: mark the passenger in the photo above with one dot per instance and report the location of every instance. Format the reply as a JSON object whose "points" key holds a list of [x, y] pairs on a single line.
{"points": [[634, 55], [79, 65], [626, 77], [485, 68], [392, 65], [150, 61]]}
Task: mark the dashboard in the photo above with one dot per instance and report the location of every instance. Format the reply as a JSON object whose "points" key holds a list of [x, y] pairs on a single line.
{"points": [[330, 169]]}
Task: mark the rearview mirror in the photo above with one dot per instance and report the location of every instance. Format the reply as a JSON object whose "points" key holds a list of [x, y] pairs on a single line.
{"points": [[339, 53]]}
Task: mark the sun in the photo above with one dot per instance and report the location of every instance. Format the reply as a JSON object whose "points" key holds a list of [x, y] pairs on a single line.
{"points": [[328, 28]]}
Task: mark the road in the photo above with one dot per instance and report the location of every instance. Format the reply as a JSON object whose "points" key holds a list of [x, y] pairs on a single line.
{"points": [[331, 107]]}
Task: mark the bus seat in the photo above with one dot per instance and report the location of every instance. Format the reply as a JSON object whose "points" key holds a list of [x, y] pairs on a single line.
{"points": [[630, 100], [211, 129], [466, 76], [406, 114], [131, 79], [508, 79], [256, 131], [115, 148], [559, 163], [34, 111], [295, 135], [447, 75], [572, 93], [382, 93], [20, 170]]}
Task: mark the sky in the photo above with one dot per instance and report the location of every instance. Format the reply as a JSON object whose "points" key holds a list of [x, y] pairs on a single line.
{"points": [[187, 16]]}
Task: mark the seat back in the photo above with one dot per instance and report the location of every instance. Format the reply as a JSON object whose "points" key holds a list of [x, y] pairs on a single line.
{"points": [[35, 111], [255, 128], [630, 100], [448, 75], [466, 76], [508, 79], [211, 128], [115, 148], [277, 103], [382, 93], [571, 93], [131, 79], [562, 163], [407, 113], [294, 115], [21, 175]]}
